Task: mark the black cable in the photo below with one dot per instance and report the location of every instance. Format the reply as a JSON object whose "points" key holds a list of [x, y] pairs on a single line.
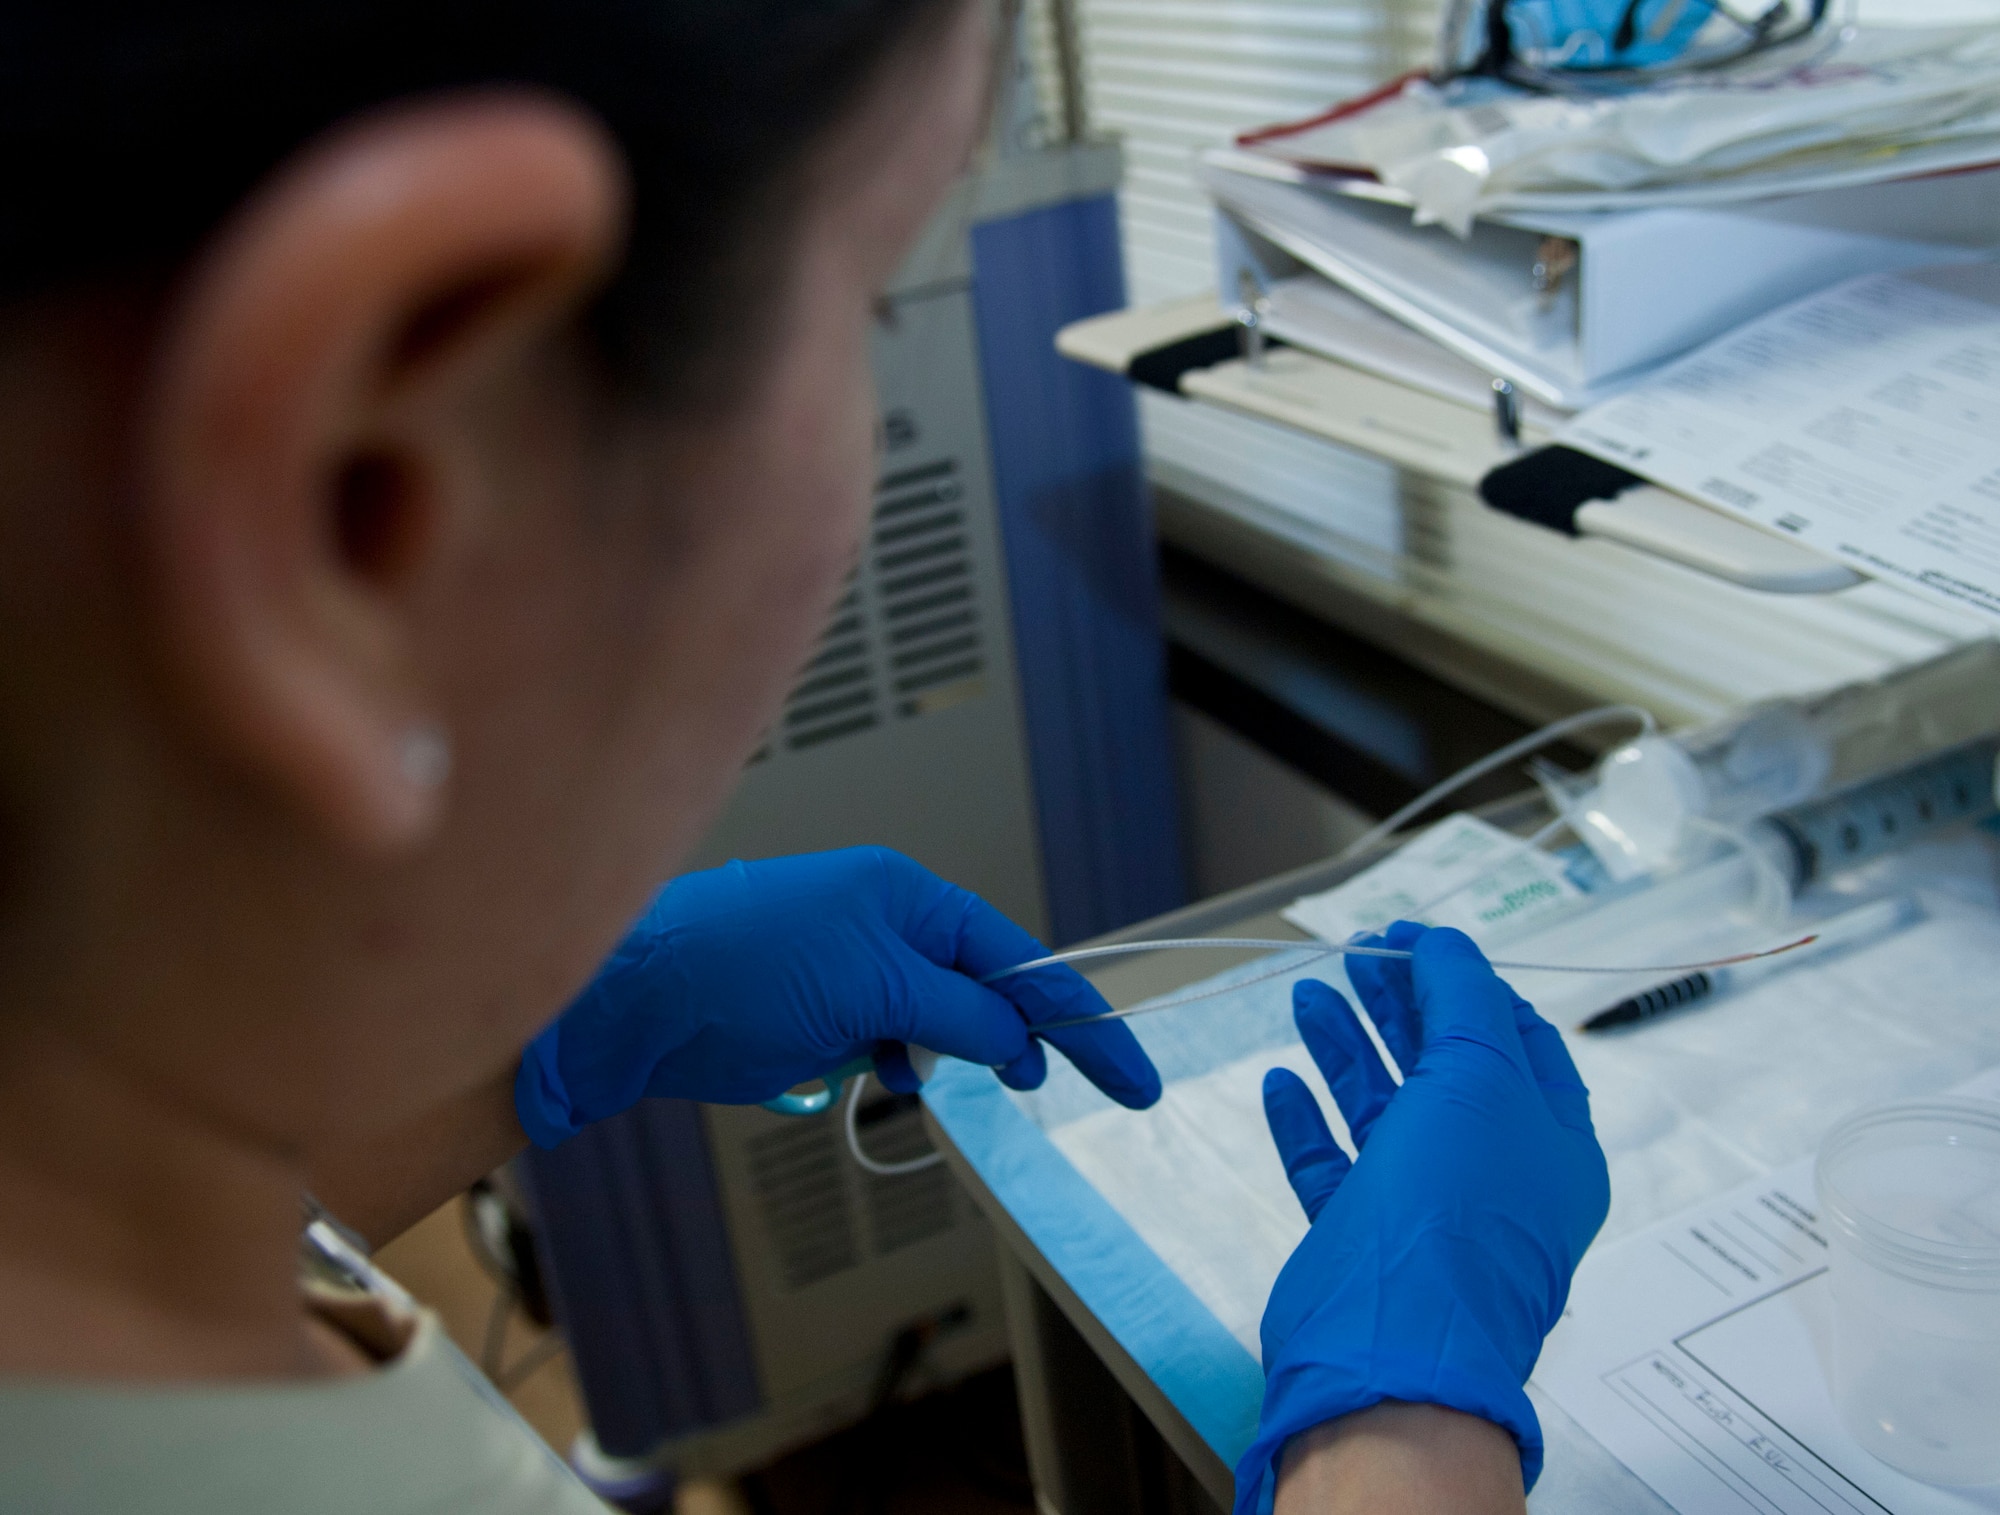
{"points": [[1628, 28], [476, 1240], [756, 1490], [523, 1367], [989, 1453], [493, 1346], [869, 1469], [1499, 41]]}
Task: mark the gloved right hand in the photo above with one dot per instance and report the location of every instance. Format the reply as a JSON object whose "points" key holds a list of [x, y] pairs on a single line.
{"points": [[743, 980], [1438, 1261]]}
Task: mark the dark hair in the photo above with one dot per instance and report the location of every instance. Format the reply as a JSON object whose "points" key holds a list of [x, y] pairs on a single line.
{"points": [[131, 127]]}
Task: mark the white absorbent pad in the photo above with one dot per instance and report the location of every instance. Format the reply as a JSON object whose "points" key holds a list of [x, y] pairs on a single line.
{"points": [[1685, 1106]]}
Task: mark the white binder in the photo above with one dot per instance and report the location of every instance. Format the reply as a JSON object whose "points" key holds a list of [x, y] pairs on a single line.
{"points": [[1646, 286]]}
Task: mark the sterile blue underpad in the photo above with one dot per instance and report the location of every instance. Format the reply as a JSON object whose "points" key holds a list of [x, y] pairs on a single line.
{"points": [[1171, 1223], [1172, 1302], [1204, 1144]]}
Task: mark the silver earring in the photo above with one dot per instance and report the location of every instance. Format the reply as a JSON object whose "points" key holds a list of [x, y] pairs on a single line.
{"points": [[425, 756]]}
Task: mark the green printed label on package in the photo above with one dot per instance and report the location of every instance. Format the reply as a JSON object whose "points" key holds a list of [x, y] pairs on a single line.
{"points": [[1462, 872]]}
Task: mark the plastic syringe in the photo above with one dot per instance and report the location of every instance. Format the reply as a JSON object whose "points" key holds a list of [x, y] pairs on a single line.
{"points": [[1823, 836]]}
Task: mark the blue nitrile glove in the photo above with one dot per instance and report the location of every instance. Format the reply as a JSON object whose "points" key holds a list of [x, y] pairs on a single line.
{"points": [[742, 981], [1438, 1261], [1591, 31]]}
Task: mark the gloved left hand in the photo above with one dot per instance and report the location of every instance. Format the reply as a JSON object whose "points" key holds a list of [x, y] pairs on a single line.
{"points": [[1441, 1256], [742, 981]]}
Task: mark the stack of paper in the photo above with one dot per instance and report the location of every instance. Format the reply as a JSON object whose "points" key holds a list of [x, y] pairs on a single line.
{"points": [[1877, 103], [1695, 1352], [1864, 422], [1593, 238]]}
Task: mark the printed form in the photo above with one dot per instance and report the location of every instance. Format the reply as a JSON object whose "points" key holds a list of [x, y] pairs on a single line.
{"points": [[1864, 420], [1694, 1351]]}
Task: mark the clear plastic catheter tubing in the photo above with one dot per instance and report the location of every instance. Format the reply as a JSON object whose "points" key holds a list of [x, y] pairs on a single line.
{"points": [[1301, 953], [851, 1120], [1583, 720]]}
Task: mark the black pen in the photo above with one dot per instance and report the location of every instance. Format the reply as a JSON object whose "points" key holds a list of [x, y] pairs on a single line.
{"points": [[1843, 930]]}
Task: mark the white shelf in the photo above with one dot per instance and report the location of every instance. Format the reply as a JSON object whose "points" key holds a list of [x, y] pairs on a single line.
{"points": [[1418, 431], [1114, 340], [1535, 621]]}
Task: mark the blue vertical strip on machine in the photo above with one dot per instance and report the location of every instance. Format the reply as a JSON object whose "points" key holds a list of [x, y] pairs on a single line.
{"points": [[1081, 570], [645, 1286]]}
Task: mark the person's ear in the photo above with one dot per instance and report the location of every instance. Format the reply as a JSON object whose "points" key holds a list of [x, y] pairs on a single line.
{"points": [[298, 479]]}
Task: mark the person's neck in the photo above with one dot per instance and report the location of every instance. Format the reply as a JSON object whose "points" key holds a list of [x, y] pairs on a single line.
{"points": [[142, 1239]]}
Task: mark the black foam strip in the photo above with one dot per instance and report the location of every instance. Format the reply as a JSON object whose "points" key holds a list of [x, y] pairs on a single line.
{"points": [[1548, 486]]}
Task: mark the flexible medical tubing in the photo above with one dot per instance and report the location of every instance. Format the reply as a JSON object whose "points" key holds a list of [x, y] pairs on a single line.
{"points": [[1301, 953], [851, 1121], [1512, 752], [1357, 949], [1773, 895]]}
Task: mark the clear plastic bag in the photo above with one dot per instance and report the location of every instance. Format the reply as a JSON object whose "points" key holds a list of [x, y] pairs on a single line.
{"points": [[1884, 103]]}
